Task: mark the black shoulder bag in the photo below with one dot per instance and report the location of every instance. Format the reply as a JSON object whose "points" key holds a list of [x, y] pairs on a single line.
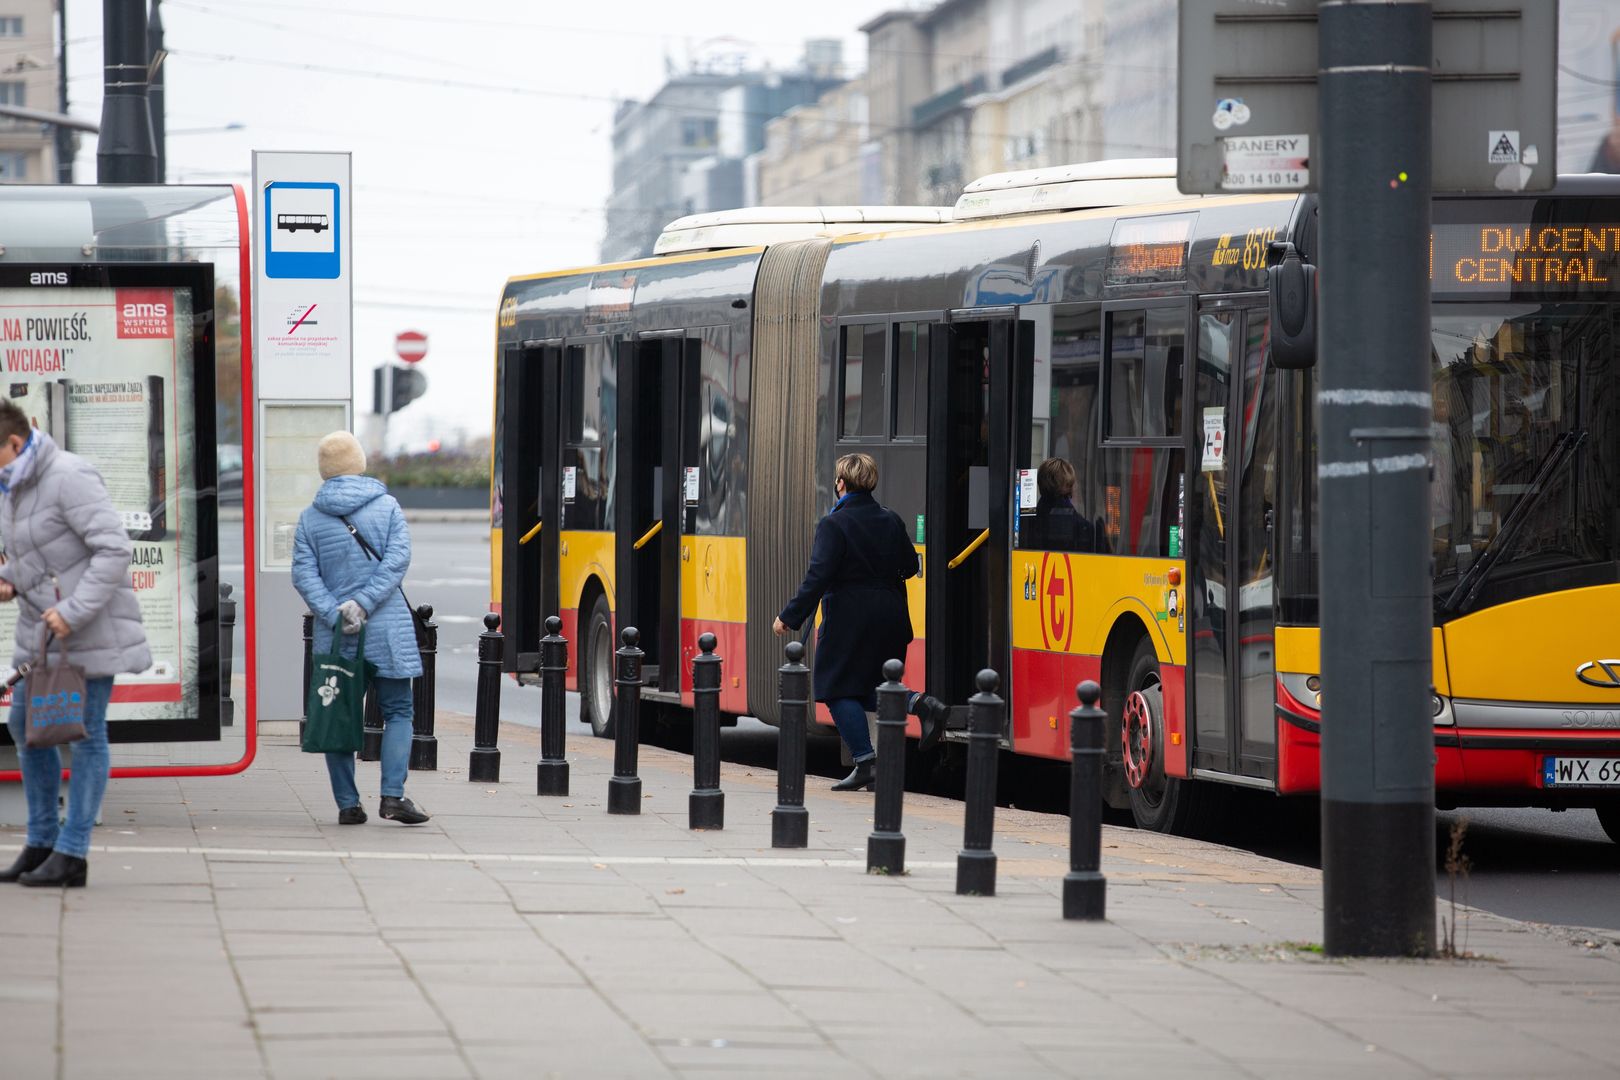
{"points": [[371, 553]]}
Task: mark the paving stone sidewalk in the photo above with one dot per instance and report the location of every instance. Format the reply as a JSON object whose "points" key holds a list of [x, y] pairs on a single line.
{"points": [[233, 929]]}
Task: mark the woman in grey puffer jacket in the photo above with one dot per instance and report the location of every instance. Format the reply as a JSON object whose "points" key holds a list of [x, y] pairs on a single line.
{"points": [[67, 563], [342, 582]]}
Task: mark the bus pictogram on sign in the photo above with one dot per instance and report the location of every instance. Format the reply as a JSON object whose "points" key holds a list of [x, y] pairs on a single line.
{"points": [[1057, 601]]}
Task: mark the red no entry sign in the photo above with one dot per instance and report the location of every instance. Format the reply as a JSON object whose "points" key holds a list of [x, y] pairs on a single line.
{"points": [[411, 346]]}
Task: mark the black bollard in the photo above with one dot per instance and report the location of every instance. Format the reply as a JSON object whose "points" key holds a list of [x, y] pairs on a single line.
{"points": [[424, 746], [372, 728], [976, 864], [706, 806], [886, 847], [309, 669], [551, 775], [227, 649], [624, 787], [790, 821], [1084, 887], [484, 766]]}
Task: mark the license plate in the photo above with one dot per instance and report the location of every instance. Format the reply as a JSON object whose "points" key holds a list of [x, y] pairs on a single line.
{"points": [[1580, 772]]}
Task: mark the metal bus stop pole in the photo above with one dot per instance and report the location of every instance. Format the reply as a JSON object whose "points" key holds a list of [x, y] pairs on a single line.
{"points": [[1375, 405]]}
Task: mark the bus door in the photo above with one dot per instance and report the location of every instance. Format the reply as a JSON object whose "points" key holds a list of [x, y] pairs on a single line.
{"points": [[1231, 519], [657, 438], [531, 451], [974, 363]]}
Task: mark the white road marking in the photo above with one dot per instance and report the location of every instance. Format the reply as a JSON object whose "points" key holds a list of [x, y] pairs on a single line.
{"points": [[448, 583], [314, 854]]}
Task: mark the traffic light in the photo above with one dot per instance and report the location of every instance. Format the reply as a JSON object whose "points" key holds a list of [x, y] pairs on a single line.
{"points": [[409, 384]]}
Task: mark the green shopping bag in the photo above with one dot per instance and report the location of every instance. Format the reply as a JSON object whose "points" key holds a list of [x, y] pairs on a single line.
{"points": [[335, 708]]}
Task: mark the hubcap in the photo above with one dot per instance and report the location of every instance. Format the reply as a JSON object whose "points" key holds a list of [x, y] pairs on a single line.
{"points": [[601, 671], [1136, 736]]}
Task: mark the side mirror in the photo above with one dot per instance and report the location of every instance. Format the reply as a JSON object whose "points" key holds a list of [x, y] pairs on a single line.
{"points": [[1291, 282]]}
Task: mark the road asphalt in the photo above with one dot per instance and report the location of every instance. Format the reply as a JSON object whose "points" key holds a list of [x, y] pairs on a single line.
{"points": [[235, 930]]}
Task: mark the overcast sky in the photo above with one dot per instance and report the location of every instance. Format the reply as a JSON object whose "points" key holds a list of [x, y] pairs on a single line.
{"points": [[480, 132]]}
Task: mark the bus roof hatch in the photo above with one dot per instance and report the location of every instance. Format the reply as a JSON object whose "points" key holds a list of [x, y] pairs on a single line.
{"points": [[1120, 182], [752, 226]]}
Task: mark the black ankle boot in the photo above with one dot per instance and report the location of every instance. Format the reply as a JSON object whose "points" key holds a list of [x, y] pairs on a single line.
{"points": [[28, 860], [930, 713], [865, 772], [400, 809], [65, 870]]}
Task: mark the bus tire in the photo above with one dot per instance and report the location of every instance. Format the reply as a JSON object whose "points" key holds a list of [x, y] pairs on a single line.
{"points": [[596, 660], [1159, 803], [1608, 815]]}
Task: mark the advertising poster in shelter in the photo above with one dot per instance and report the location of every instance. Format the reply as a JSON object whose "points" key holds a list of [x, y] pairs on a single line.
{"points": [[107, 372]]}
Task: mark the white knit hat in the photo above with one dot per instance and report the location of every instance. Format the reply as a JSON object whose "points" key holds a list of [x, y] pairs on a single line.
{"points": [[341, 455]]}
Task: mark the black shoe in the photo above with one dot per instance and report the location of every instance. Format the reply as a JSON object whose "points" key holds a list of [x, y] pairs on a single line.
{"points": [[352, 815], [28, 860], [861, 779], [930, 713], [59, 869], [401, 810]]}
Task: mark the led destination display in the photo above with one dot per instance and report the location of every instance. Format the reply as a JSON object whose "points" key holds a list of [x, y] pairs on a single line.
{"points": [[1525, 259]]}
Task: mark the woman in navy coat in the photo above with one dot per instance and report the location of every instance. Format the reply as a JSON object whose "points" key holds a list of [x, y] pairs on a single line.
{"points": [[858, 567]]}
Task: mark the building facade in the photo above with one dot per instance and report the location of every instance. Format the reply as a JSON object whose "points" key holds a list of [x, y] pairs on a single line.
{"points": [[971, 87], [684, 150], [819, 154], [29, 74]]}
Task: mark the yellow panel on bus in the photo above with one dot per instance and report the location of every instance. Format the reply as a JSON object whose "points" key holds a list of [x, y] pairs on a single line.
{"points": [[714, 578], [582, 556], [1299, 651], [1536, 649], [1068, 603]]}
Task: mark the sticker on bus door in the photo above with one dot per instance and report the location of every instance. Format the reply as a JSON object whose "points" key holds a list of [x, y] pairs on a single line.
{"points": [[1028, 492], [569, 482], [1214, 440], [692, 478]]}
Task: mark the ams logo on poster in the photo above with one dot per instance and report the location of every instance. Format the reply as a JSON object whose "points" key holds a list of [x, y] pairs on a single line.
{"points": [[145, 313]]}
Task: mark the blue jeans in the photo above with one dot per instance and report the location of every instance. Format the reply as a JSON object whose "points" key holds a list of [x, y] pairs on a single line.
{"points": [[42, 773], [850, 716], [394, 698]]}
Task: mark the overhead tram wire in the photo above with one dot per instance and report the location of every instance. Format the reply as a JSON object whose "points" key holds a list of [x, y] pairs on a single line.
{"points": [[873, 131], [584, 31]]}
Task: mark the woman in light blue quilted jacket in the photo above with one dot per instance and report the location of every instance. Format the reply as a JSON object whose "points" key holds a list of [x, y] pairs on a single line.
{"points": [[350, 555]]}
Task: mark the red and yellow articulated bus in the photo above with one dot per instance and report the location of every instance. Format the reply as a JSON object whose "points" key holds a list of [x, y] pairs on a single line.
{"points": [[666, 431]]}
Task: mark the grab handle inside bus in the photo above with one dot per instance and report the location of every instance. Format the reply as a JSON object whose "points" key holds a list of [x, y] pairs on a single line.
{"points": [[658, 526], [978, 542], [531, 534]]}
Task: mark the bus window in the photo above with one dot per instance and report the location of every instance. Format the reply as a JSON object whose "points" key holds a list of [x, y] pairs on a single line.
{"points": [[911, 380], [720, 509], [1145, 351], [1064, 436], [1519, 389], [585, 437], [863, 374]]}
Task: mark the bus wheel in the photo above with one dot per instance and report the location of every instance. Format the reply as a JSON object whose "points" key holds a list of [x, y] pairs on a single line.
{"points": [[1609, 817], [596, 671], [1159, 803]]}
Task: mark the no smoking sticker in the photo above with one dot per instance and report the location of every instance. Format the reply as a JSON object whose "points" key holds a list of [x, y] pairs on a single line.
{"points": [[1214, 457]]}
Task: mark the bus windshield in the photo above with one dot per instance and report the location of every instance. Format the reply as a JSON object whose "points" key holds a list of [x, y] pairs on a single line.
{"points": [[1517, 386]]}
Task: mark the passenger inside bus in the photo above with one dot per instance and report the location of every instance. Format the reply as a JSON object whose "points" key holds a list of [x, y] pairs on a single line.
{"points": [[1057, 525]]}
